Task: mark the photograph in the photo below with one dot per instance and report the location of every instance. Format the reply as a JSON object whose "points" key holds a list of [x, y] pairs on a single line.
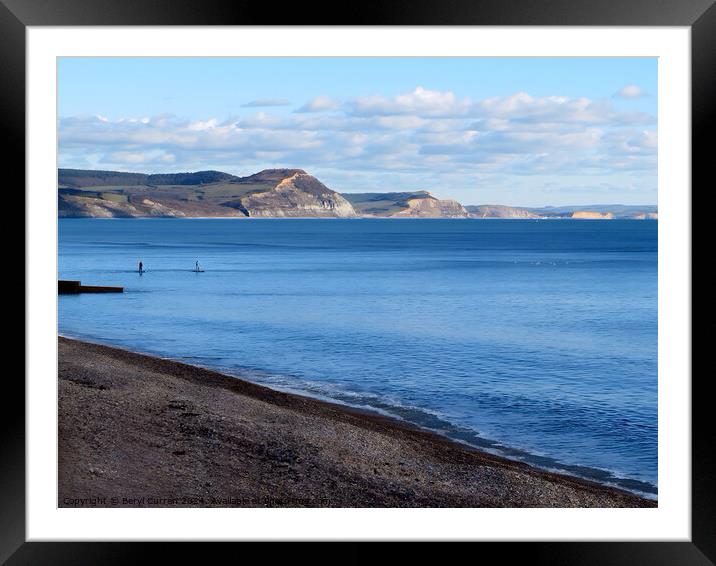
{"points": [[357, 282], [403, 273]]}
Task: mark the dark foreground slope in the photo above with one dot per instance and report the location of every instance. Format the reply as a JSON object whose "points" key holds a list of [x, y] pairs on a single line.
{"points": [[140, 431]]}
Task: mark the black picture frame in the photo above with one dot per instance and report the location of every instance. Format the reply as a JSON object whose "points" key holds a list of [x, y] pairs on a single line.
{"points": [[17, 15]]}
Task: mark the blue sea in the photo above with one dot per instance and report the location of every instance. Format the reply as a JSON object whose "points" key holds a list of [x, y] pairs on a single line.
{"points": [[536, 340]]}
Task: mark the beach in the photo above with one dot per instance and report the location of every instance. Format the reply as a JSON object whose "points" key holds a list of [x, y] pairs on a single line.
{"points": [[140, 431]]}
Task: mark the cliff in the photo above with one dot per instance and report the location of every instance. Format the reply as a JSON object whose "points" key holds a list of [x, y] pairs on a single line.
{"points": [[499, 211], [299, 195], [592, 215], [592, 212], [430, 207], [418, 204], [279, 193], [269, 193]]}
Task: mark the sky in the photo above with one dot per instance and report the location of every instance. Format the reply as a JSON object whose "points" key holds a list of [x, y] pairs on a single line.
{"points": [[515, 131]]}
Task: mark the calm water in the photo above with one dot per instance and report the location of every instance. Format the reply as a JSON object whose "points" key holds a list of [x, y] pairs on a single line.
{"points": [[537, 340]]}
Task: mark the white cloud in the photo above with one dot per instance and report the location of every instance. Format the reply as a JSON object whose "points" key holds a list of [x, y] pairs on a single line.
{"points": [[556, 110], [419, 102], [321, 103], [517, 108], [202, 125], [630, 92], [416, 138]]}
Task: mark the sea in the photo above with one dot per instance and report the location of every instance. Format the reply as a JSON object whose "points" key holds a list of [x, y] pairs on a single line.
{"points": [[531, 339]]}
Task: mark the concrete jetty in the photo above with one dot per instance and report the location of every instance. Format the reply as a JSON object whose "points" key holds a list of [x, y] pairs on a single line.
{"points": [[65, 287]]}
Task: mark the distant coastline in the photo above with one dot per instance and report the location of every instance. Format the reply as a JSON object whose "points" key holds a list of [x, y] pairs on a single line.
{"points": [[281, 193]]}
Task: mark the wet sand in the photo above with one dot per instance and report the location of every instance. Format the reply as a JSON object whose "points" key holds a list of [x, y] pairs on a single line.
{"points": [[139, 431]]}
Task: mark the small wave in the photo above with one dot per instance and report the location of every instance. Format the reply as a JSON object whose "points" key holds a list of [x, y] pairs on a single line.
{"points": [[439, 423]]}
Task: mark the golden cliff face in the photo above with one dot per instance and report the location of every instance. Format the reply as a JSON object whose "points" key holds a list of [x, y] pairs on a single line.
{"points": [[299, 195], [98, 207], [430, 207], [590, 215], [500, 211]]}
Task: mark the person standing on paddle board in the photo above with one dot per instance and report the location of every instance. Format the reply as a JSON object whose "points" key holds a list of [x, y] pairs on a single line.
{"points": [[141, 267]]}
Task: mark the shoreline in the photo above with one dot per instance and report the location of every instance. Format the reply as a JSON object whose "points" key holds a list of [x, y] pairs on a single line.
{"points": [[149, 431], [370, 411]]}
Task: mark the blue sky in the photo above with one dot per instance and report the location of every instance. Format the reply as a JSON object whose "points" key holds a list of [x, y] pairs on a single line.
{"points": [[521, 131]]}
